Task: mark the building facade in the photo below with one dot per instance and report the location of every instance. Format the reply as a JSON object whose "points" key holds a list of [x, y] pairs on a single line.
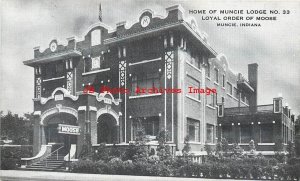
{"points": [[156, 55], [266, 125]]}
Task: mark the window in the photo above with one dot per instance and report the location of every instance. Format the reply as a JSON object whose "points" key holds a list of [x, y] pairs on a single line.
{"points": [[96, 37], [223, 81], [193, 130], [229, 88], [93, 63], [220, 110], [266, 133], [191, 82], [245, 133], [227, 133], [210, 100], [235, 92], [197, 62], [59, 69], [145, 80], [208, 70], [96, 63], [148, 124], [53, 70], [217, 75], [209, 133]]}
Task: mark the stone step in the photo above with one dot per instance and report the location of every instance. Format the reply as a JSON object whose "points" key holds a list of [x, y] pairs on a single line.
{"points": [[48, 165]]}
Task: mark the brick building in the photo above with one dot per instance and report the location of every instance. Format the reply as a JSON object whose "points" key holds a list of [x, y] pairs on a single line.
{"points": [[162, 52]]}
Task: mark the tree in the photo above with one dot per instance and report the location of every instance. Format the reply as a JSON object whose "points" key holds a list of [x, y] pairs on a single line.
{"points": [[297, 136], [18, 129]]}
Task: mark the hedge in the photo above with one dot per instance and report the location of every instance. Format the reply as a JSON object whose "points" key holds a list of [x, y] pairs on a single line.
{"points": [[181, 168], [11, 156]]}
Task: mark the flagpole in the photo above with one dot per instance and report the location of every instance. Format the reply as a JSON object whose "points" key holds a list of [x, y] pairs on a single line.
{"points": [[100, 13]]}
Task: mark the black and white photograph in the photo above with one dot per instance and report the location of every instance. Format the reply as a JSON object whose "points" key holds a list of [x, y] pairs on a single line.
{"points": [[150, 90]]}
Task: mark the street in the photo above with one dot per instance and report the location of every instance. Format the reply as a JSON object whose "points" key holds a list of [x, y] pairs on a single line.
{"points": [[9, 175]]}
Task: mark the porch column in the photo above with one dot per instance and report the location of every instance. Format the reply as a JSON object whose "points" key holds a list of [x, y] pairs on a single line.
{"points": [[81, 124], [117, 133], [37, 136], [93, 124]]}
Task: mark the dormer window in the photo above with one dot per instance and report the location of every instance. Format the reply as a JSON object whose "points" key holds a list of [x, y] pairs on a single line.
{"points": [[96, 37]]}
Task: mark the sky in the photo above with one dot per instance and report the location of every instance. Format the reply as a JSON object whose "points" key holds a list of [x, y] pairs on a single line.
{"points": [[274, 46]]}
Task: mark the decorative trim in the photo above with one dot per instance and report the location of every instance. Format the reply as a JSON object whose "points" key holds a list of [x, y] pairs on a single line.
{"points": [[169, 57], [195, 143], [117, 39], [58, 109], [65, 92], [82, 108], [143, 96], [56, 78], [265, 144], [37, 113], [92, 108], [175, 7], [144, 61], [70, 82], [243, 144], [108, 110], [101, 97], [96, 71]]}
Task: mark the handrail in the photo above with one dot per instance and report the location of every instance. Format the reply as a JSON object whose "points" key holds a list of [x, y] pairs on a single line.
{"points": [[52, 153]]}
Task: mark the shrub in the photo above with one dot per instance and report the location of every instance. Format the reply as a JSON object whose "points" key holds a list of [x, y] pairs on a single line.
{"points": [[256, 171], [268, 172], [11, 156], [245, 171], [204, 170], [101, 167], [215, 171], [101, 153], [233, 170], [84, 166], [9, 163]]}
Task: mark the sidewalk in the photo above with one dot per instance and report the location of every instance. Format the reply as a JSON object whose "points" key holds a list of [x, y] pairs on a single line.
{"points": [[6, 175]]}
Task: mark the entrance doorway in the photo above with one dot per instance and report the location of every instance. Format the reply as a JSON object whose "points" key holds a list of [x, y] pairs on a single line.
{"points": [[51, 131], [107, 129]]}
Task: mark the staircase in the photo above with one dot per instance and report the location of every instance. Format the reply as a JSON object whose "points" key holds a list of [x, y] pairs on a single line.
{"points": [[53, 162]]}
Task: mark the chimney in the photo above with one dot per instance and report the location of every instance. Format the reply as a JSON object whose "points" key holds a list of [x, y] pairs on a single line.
{"points": [[253, 78], [277, 104]]}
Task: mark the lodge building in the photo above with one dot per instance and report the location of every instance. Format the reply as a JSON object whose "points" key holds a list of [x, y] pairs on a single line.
{"points": [[156, 51]]}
